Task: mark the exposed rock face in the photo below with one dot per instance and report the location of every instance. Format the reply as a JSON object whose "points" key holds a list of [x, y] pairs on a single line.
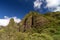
{"points": [[33, 19]]}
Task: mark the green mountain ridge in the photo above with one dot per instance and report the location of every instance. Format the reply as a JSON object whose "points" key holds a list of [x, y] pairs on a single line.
{"points": [[34, 26], [34, 19]]}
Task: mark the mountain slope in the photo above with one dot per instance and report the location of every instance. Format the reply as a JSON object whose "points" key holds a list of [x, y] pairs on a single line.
{"points": [[33, 20], [34, 26]]}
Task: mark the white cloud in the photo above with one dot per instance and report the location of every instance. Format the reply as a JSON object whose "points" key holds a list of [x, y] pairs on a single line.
{"points": [[37, 4], [57, 9], [6, 20], [52, 5], [17, 20]]}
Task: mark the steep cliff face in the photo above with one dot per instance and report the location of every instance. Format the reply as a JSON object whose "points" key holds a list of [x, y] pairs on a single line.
{"points": [[33, 19]]}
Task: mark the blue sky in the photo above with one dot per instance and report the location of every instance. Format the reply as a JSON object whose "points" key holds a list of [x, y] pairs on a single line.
{"points": [[20, 8], [17, 9]]}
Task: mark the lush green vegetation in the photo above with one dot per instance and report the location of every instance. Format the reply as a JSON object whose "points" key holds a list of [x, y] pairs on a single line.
{"points": [[34, 26]]}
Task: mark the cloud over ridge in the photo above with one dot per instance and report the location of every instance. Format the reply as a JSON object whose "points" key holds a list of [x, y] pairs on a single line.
{"points": [[5, 21], [52, 5]]}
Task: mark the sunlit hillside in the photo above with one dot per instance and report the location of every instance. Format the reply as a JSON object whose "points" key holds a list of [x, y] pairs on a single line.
{"points": [[34, 26]]}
